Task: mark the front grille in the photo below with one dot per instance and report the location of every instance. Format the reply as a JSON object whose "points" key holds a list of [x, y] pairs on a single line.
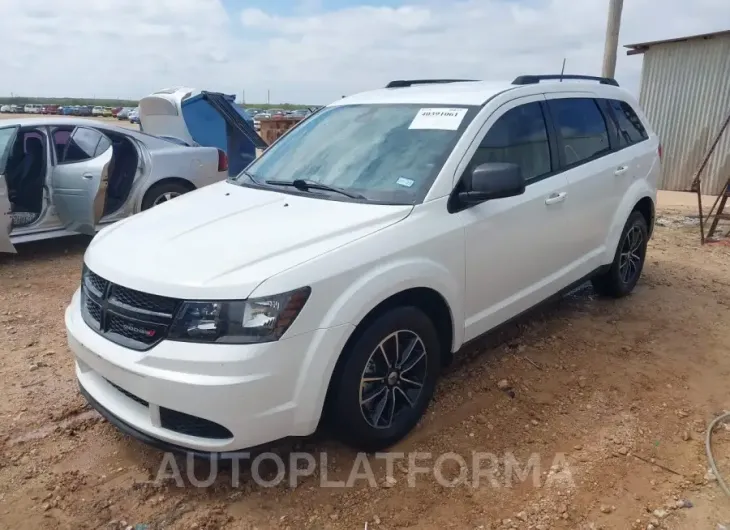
{"points": [[94, 310], [97, 283], [138, 300], [131, 318], [129, 394], [192, 425]]}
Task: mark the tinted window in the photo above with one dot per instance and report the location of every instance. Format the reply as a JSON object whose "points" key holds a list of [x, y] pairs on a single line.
{"points": [[520, 137], [82, 145], [630, 128], [103, 145], [581, 128]]}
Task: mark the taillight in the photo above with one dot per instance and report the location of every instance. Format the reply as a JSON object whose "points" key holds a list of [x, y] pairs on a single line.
{"points": [[222, 161]]}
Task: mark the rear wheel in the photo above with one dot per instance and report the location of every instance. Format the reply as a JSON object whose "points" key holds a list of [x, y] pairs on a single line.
{"points": [[387, 380], [163, 192], [628, 261]]}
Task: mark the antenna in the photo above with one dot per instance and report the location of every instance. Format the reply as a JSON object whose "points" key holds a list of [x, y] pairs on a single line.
{"points": [[562, 71]]}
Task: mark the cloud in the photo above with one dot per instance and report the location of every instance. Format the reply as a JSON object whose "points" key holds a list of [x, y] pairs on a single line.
{"points": [[129, 48]]}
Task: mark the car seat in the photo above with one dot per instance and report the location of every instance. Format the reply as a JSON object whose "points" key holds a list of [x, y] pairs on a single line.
{"points": [[30, 176]]}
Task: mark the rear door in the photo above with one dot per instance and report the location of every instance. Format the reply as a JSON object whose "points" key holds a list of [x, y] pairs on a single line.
{"points": [[80, 179], [7, 138], [593, 173]]}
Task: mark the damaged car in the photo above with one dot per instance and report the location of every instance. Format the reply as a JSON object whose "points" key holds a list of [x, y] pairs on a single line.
{"points": [[68, 176]]}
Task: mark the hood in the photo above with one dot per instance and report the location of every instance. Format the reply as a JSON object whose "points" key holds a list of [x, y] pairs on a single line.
{"points": [[222, 241]]}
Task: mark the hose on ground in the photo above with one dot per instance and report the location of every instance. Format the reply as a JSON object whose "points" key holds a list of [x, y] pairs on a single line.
{"points": [[710, 457]]}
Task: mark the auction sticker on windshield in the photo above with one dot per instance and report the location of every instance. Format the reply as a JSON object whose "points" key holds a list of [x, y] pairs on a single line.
{"points": [[443, 119]]}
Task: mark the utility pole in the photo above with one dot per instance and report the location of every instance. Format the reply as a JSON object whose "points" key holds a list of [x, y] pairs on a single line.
{"points": [[612, 30], [243, 97], [268, 96]]}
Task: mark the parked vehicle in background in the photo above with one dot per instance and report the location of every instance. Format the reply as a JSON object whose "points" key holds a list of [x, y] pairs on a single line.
{"points": [[276, 112], [16, 109], [5, 108], [50, 109], [107, 112], [97, 173], [116, 111], [134, 115], [257, 120], [368, 257], [97, 111], [208, 118], [123, 114], [32, 108]]}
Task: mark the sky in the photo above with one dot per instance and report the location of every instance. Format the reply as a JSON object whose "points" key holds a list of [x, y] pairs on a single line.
{"points": [[315, 51]]}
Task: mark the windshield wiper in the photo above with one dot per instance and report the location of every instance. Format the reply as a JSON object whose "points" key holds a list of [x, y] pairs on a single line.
{"points": [[249, 175], [306, 185]]}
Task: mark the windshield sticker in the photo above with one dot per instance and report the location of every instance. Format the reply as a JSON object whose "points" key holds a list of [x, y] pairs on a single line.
{"points": [[402, 181], [443, 119]]}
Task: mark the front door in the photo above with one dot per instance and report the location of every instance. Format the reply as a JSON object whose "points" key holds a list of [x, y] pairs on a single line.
{"points": [[7, 138], [515, 254], [80, 179]]}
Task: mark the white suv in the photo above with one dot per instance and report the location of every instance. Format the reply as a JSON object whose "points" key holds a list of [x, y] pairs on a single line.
{"points": [[336, 274]]}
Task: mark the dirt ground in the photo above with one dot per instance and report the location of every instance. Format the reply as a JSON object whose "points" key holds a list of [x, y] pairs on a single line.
{"points": [[614, 395]]}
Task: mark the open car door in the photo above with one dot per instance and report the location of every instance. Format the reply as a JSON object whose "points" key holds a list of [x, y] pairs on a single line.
{"points": [[7, 138], [80, 180]]}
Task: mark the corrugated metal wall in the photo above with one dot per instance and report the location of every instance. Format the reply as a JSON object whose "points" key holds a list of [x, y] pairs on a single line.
{"points": [[685, 93]]}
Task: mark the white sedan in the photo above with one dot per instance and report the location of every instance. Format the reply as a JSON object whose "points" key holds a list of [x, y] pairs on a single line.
{"points": [[69, 175]]}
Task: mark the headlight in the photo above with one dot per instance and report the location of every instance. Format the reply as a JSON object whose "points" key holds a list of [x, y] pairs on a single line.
{"points": [[238, 321]]}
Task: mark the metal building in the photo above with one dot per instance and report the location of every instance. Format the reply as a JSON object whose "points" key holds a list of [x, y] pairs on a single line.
{"points": [[685, 93]]}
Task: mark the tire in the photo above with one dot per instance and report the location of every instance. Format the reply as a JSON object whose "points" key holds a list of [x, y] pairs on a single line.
{"points": [[157, 192], [395, 392], [620, 279]]}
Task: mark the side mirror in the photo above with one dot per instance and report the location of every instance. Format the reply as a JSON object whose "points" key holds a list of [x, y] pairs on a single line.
{"points": [[494, 180]]}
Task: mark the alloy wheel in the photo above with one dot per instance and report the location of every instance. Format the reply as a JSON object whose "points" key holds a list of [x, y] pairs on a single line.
{"points": [[167, 196], [393, 378], [631, 257]]}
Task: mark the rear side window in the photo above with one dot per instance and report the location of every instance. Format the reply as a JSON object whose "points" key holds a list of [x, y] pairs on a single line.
{"points": [[630, 128], [81, 146], [519, 137], [582, 130], [103, 145]]}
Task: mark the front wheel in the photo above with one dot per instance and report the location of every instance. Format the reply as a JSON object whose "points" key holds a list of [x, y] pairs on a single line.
{"points": [[628, 261], [387, 380]]}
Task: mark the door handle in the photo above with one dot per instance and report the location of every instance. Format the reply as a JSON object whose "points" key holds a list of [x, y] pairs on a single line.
{"points": [[555, 198], [621, 170], [88, 176]]}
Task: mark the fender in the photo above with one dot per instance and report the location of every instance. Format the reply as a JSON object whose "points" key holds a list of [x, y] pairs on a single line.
{"points": [[386, 280], [638, 190], [362, 296]]}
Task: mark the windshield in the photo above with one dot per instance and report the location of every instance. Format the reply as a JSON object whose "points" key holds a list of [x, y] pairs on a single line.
{"points": [[385, 153]]}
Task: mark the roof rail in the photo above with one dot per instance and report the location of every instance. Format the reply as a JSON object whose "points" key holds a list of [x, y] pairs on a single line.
{"points": [[533, 79], [402, 83]]}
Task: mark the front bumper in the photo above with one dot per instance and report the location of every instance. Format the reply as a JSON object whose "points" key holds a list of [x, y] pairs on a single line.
{"points": [[254, 394]]}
